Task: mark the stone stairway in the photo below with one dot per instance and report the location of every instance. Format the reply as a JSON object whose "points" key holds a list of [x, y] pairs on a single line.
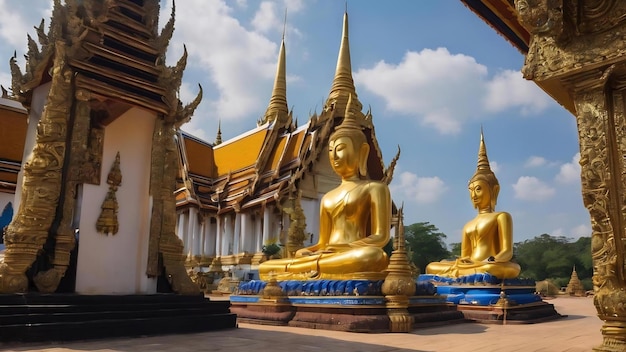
{"points": [[65, 317]]}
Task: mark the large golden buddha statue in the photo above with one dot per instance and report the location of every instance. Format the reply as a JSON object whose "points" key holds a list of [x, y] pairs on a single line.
{"points": [[354, 218], [487, 242]]}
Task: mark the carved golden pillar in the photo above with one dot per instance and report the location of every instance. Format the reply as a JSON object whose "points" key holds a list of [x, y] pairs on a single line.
{"points": [[577, 54], [79, 129], [599, 98], [41, 188], [163, 241]]}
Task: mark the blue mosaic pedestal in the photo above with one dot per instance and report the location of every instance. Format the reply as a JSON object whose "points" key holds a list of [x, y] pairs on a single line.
{"points": [[479, 297], [344, 305]]}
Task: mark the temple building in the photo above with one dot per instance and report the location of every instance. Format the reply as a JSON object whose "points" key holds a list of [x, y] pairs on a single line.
{"points": [[265, 185], [96, 105], [13, 123]]}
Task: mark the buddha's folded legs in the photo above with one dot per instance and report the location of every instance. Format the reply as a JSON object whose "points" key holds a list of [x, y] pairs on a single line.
{"points": [[501, 270], [339, 264]]}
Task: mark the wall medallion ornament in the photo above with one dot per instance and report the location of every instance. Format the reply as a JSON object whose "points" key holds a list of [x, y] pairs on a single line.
{"points": [[107, 221]]}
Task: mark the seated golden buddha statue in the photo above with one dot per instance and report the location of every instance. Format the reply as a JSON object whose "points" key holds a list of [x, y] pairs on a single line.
{"points": [[354, 219], [487, 242]]}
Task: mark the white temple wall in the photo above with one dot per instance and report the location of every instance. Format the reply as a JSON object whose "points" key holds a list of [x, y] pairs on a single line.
{"points": [[40, 97], [311, 208], [116, 264]]}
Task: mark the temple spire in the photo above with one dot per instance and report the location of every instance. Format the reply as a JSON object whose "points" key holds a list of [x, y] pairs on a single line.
{"points": [[278, 108], [343, 84], [218, 138]]}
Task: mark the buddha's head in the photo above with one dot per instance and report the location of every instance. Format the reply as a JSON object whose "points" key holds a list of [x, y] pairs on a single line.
{"points": [[348, 148], [483, 186]]}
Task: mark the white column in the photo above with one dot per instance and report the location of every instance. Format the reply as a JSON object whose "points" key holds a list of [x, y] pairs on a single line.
{"points": [[201, 238], [266, 224], [219, 235], [192, 230], [237, 234], [210, 240], [182, 226], [245, 232], [228, 235], [258, 234]]}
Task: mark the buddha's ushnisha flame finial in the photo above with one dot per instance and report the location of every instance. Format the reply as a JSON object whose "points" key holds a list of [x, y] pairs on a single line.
{"points": [[350, 121], [483, 162]]}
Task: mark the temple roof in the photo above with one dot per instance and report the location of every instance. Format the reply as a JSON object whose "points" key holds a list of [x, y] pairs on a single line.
{"points": [[266, 163], [13, 124], [116, 53], [501, 15]]}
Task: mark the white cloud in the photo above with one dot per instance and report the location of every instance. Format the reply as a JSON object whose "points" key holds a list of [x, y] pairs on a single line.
{"points": [[532, 189], [444, 90], [576, 232], [13, 27], [535, 161], [434, 86], [265, 18], [582, 230], [422, 190], [239, 62], [294, 5], [509, 89], [570, 172], [495, 167]]}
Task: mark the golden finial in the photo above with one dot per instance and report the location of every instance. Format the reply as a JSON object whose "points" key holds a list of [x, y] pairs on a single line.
{"points": [[343, 84], [218, 138], [400, 240], [278, 108], [483, 161]]}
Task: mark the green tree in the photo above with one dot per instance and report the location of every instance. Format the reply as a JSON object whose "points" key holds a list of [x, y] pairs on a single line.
{"points": [[455, 249], [427, 244], [554, 257]]}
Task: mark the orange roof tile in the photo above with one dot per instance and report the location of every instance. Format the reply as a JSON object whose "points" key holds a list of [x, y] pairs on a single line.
{"points": [[240, 152]]}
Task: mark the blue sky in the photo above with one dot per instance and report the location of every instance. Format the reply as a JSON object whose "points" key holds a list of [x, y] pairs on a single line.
{"points": [[432, 72]]}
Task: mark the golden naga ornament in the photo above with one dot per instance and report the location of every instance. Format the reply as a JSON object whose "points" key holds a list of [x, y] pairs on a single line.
{"points": [[107, 221], [487, 240], [355, 217]]}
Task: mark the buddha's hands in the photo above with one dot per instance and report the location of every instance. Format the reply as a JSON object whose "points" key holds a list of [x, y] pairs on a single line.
{"points": [[304, 252]]}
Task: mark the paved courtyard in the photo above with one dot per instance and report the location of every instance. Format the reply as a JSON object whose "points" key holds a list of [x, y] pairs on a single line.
{"points": [[579, 331]]}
